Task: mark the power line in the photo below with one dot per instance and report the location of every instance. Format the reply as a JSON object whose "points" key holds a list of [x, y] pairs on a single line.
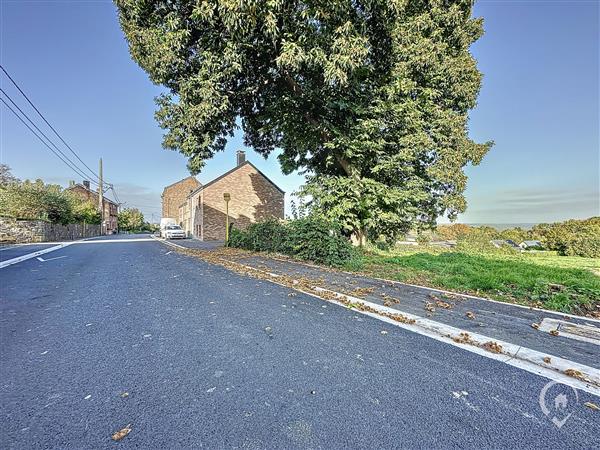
{"points": [[75, 169], [72, 164], [48, 123]]}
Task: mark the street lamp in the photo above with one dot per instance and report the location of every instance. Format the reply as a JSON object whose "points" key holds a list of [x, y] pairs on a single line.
{"points": [[226, 197]]}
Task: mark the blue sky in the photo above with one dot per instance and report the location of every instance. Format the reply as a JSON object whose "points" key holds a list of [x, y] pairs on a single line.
{"points": [[539, 103]]}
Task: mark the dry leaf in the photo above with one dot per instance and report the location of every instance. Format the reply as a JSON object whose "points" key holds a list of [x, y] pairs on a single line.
{"points": [[535, 325], [464, 338], [574, 373], [470, 315], [554, 332], [493, 347], [442, 304], [121, 433], [592, 406], [547, 360]]}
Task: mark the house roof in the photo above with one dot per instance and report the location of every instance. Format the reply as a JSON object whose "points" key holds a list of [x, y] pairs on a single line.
{"points": [[180, 181], [531, 243], [93, 192], [195, 191]]}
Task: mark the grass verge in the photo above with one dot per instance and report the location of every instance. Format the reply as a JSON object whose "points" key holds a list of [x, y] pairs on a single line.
{"points": [[543, 280]]}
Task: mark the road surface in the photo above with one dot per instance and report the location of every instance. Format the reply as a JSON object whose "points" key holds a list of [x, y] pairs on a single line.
{"points": [[124, 332]]}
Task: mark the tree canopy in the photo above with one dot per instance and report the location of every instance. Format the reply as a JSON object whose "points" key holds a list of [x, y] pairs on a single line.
{"points": [[370, 98], [131, 219], [36, 200]]}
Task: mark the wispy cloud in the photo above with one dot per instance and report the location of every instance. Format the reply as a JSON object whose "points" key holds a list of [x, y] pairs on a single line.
{"points": [[136, 196], [534, 205]]}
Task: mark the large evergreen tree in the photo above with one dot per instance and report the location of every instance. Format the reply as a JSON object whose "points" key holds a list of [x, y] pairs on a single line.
{"points": [[369, 97]]}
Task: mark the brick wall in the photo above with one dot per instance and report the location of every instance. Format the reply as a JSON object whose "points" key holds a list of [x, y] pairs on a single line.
{"points": [[253, 199], [15, 231], [174, 195]]}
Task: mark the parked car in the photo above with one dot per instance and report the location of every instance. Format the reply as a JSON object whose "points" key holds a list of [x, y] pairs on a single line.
{"points": [[173, 232]]}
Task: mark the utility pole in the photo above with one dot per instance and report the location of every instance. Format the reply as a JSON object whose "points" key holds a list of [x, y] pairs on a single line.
{"points": [[226, 197], [101, 199]]}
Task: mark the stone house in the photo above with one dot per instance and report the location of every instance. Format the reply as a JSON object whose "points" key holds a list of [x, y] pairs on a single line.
{"points": [[175, 194], [254, 197], [111, 209]]}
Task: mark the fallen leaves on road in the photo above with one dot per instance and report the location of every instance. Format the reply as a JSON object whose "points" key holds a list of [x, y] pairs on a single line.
{"points": [[493, 347], [361, 292], [439, 302], [389, 299], [547, 360], [442, 304], [470, 315], [535, 325], [121, 433], [554, 332], [592, 406], [227, 257], [574, 373], [464, 338], [429, 307]]}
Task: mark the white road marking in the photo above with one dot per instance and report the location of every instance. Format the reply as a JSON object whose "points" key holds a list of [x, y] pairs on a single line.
{"points": [[579, 332], [111, 241], [49, 259], [427, 288], [19, 259], [514, 355]]}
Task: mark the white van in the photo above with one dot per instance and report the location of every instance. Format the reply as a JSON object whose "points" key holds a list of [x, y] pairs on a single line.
{"points": [[164, 223]]}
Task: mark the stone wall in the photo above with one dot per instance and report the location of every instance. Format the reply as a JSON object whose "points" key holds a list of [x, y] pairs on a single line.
{"points": [[15, 231]]}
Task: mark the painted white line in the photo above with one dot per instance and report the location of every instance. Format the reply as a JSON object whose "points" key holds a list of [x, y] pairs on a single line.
{"points": [[518, 356], [521, 357], [109, 241], [400, 283], [579, 332], [39, 258], [19, 259]]}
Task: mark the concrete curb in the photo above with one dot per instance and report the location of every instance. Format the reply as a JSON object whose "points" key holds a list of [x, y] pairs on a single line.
{"points": [[562, 370], [442, 291]]}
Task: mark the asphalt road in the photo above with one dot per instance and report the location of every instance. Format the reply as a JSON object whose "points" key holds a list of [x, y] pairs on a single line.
{"points": [[14, 251], [209, 358]]}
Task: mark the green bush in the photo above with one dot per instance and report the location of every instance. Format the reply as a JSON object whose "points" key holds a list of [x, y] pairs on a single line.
{"points": [[308, 238], [571, 238]]}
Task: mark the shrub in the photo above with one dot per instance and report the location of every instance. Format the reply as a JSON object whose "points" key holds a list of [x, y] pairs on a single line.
{"points": [[572, 238], [452, 232], [309, 239], [319, 241], [267, 236]]}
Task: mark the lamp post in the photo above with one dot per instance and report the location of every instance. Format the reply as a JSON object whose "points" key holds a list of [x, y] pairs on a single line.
{"points": [[226, 197]]}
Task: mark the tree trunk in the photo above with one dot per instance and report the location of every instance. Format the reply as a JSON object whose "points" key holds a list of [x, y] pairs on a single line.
{"points": [[359, 237]]}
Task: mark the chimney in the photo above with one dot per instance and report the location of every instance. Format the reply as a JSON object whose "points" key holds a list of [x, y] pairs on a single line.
{"points": [[241, 157], [86, 184]]}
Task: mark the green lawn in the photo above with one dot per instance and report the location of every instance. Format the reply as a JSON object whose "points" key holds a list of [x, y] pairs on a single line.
{"points": [[567, 284]]}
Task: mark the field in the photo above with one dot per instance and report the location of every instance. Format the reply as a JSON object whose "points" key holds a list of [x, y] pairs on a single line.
{"points": [[543, 279]]}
